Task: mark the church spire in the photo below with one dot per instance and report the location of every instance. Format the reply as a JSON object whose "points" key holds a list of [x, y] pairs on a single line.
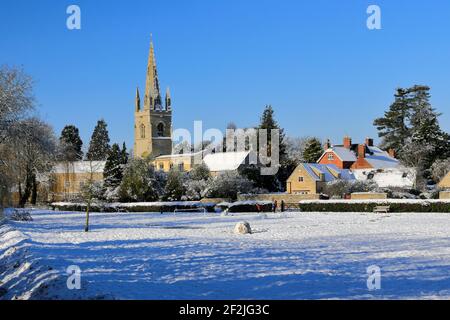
{"points": [[168, 100], [152, 94], [138, 100]]}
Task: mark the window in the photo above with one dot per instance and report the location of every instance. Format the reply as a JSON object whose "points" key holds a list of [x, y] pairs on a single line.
{"points": [[67, 184], [81, 184], [300, 179], [171, 166], [160, 130], [161, 166], [181, 166], [142, 131], [330, 156]]}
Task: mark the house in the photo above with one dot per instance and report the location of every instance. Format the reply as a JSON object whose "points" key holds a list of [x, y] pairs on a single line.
{"points": [[358, 156], [311, 178], [216, 162], [68, 178], [445, 182], [181, 162]]}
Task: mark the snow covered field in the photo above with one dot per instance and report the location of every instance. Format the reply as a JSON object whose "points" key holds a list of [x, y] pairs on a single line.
{"points": [[197, 256]]}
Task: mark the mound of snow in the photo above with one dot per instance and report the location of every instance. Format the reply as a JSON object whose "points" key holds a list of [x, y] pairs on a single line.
{"points": [[243, 228]]}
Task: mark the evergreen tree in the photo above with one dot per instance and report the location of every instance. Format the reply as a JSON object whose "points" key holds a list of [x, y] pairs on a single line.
{"points": [[200, 172], [175, 188], [113, 171], [124, 154], [393, 128], [411, 127], [140, 182], [277, 182], [99, 144], [313, 150], [70, 144]]}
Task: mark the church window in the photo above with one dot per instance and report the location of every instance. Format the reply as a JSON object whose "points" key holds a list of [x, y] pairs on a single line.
{"points": [[142, 131], [160, 129]]}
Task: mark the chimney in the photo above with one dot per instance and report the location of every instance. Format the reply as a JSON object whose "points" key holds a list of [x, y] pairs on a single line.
{"points": [[369, 142], [391, 152], [361, 151], [327, 144], [347, 142]]}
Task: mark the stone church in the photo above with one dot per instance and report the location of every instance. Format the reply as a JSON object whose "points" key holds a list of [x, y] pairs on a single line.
{"points": [[153, 119]]}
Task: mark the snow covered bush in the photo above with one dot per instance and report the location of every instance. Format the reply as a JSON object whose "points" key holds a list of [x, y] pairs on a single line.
{"points": [[339, 188], [196, 189], [439, 169], [175, 189], [200, 172], [228, 185], [20, 215], [140, 182]]}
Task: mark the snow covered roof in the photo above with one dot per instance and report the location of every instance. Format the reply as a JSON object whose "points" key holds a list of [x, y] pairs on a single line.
{"points": [[178, 155], [380, 159], [376, 157], [225, 161], [314, 169], [79, 167], [344, 154]]}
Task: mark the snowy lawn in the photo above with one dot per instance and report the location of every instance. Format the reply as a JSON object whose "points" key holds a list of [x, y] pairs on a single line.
{"points": [[197, 256]]}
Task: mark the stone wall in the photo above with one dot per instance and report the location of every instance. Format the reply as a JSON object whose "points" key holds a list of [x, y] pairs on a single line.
{"points": [[368, 195], [444, 195]]}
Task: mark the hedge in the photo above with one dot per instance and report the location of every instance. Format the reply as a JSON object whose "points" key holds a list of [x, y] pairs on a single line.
{"points": [[423, 206], [133, 207]]}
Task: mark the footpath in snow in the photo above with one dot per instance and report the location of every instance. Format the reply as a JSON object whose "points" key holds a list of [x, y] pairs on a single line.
{"points": [[197, 256]]}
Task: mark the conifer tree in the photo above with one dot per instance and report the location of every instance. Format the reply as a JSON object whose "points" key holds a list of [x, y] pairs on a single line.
{"points": [[99, 144], [277, 182], [394, 128], [313, 150], [70, 144], [113, 171]]}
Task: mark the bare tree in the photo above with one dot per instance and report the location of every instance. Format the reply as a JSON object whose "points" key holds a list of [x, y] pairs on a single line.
{"points": [[16, 100], [33, 148], [92, 188]]}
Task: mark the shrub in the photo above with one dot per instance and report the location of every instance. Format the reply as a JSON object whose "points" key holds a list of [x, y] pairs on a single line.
{"points": [[228, 185], [348, 206], [175, 188], [140, 182]]}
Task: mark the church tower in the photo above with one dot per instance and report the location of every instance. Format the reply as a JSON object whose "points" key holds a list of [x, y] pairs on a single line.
{"points": [[153, 121]]}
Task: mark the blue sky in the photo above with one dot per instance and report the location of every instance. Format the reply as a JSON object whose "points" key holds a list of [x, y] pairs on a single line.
{"points": [[322, 70]]}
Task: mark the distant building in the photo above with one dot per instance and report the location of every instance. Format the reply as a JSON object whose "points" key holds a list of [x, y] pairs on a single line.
{"points": [[311, 178], [216, 162], [68, 178], [358, 156], [181, 162], [445, 182]]}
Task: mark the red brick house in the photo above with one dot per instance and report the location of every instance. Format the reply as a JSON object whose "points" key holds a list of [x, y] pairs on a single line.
{"points": [[357, 156]]}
